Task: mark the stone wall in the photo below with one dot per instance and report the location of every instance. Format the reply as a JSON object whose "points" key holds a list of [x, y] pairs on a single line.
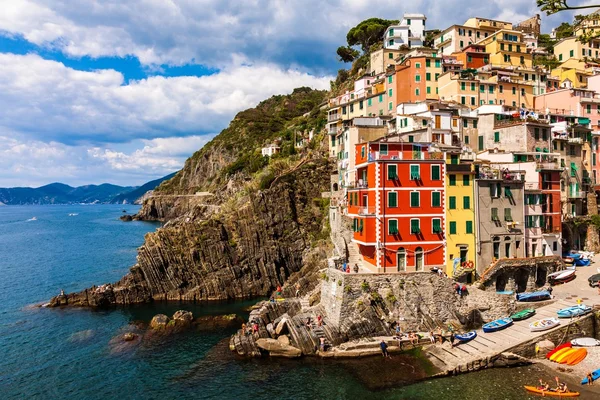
{"points": [[420, 300], [520, 274]]}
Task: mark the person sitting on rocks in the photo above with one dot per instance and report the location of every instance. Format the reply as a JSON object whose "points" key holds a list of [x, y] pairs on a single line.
{"points": [[431, 337], [308, 324], [356, 268]]}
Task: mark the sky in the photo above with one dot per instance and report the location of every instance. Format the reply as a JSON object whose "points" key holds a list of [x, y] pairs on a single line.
{"points": [[95, 91]]}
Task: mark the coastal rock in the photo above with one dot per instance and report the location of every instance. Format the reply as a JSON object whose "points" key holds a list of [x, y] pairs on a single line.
{"points": [[159, 321], [281, 326], [183, 318], [278, 349], [284, 339], [126, 218], [544, 347], [129, 336], [213, 322]]}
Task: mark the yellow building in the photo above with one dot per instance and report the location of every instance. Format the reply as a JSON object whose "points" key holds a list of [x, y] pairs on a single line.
{"points": [[460, 216], [466, 88], [571, 47], [507, 48], [574, 73]]}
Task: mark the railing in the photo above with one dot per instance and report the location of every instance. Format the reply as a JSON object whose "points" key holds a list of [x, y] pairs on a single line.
{"points": [[575, 140], [399, 155], [366, 210], [334, 117], [359, 184], [550, 230], [333, 130], [547, 165], [576, 195], [531, 186]]}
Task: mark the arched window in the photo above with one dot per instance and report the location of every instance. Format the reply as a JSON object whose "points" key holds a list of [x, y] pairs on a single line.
{"points": [[419, 259], [401, 258]]}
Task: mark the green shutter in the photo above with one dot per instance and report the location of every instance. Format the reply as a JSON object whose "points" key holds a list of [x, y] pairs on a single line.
{"points": [[437, 225], [414, 199], [393, 227], [507, 192], [392, 171], [435, 172], [436, 199], [414, 226], [466, 202], [507, 215], [469, 227], [414, 172], [452, 201], [496, 137], [392, 199], [452, 180], [495, 214], [466, 180], [480, 143], [452, 227]]}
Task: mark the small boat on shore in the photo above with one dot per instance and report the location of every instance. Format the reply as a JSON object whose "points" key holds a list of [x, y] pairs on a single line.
{"points": [[575, 357], [595, 375], [534, 389], [582, 262], [534, 296], [497, 325], [585, 342], [558, 348], [574, 311], [543, 324], [556, 278], [559, 354], [465, 337], [523, 314]]}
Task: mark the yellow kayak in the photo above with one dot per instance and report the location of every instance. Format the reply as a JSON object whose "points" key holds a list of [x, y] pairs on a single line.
{"points": [[533, 389], [564, 356], [559, 353]]}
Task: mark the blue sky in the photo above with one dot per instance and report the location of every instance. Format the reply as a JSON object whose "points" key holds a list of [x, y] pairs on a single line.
{"points": [[124, 91]]}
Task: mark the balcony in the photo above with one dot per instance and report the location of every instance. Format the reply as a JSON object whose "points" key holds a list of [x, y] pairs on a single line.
{"points": [[551, 230], [366, 210], [576, 194], [399, 155], [575, 140], [465, 168], [531, 186], [334, 117], [333, 130], [359, 184]]}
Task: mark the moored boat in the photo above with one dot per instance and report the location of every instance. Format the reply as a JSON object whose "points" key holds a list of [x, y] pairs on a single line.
{"points": [[534, 389], [465, 337], [497, 325], [582, 262], [559, 277], [595, 375], [574, 311], [585, 342], [523, 314], [558, 348], [534, 296], [559, 353], [543, 324]]}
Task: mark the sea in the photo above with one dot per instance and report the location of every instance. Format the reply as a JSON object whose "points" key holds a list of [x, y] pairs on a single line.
{"points": [[76, 353]]}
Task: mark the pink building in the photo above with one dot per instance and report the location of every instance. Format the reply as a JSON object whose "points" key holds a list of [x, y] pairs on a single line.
{"points": [[583, 105]]}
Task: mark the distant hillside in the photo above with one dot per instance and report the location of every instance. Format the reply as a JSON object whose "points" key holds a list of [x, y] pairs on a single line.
{"points": [[131, 197], [59, 193]]}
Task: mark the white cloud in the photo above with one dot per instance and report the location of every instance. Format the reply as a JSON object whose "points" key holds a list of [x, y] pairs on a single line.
{"points": [[43, 99], [211, 32]]}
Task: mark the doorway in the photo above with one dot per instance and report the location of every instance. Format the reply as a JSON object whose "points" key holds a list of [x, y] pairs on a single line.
{"points": [[419, 259], [401, 259]]}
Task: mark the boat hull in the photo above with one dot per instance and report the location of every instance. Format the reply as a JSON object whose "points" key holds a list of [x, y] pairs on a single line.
{"points": [[466, 337], [524, 314], [574, 311], [543, 324], [558, 348], [535, 296], [497, 325], [595, 375], [585, 342], [576, 357], [533, 389]]}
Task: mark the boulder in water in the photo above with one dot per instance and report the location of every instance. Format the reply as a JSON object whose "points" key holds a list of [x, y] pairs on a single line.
{"points": [[129, 336], [544, 347], [284, 339], [159, 321], [278, 349], [183, 318]]}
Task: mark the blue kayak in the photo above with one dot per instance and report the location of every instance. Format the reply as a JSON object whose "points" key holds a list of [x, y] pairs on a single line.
{"points": [[581, 262], [497, 325], [595, 375], [465, 337], [574, 256], [534, 296], [574, 311]]}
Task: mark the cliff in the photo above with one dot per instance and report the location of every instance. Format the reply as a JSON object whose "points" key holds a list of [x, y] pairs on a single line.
{"points": [[254, 223]]}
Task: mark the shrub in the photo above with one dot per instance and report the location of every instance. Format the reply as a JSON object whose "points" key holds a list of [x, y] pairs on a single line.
{"points": [[365, 286], [375, 296]]}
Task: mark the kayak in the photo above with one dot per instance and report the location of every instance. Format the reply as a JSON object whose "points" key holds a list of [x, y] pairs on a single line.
{"points": [[533, 389], [557, 348], [523, 314], [582, 262], [576, 357], [534, 296], [559, 277], [585, 342], [574, 311], [595, 375], [562, 358], [497, 325], [465, 337], [543, 324], [559, 353]]}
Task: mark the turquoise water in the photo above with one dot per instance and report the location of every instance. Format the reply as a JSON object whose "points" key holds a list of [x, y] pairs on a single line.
{"points": [[68, 353]]}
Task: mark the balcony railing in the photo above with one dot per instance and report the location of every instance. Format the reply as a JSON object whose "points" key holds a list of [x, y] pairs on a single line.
{"points": [[398, 155], [550, 230], [576, 195], [334, 117], [359, 184], [575, 140], [333, 130], [366, 210], [547, 166]]}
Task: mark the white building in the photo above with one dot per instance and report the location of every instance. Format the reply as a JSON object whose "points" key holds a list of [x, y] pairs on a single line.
{"points": [[410, 32], [270, 150]]}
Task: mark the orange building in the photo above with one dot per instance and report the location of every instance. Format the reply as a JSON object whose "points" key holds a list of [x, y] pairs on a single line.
{"points": [[473, 56], [416, 79], [397, 206]]}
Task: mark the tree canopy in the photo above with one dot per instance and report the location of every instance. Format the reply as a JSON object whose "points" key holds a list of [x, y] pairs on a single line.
{"points": [[555, 6], [368, 32], [347, 53]]}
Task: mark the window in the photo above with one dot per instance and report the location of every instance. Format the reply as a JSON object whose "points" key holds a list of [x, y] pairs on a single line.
{"points": [[463, 85], [435, 172], [472, 86], [500, 88], [495, 214], [417, 78], [507, 215], [465, 123], [491, 90], [417, 91], [522, 92], [392, 199], [452, 202], [391, 32], [390, 92], [462, 100], [417, 65], [390, 105], [390, 78], [362, 151], [469, 227], [408, 21], [427, 63], [480, 144], [436, 199], [466, 202], [454, 160], [588, 108], [466, 140], [415, 173], [393, 226], [427, 76], [411, 138], [560, 57], [472, 101], [369, 102], [482, 88], [415, 227], [391, 56], [469, 58], [438, 64], [522, 60], [501, 46], [571, 53], [462, 44], [495, 190], [514, 90], [381, 98], [392, 171], [415, 199], [452, 180], [466, 180], [536, 133], [436, 225], [428, 90], [452, 227]]}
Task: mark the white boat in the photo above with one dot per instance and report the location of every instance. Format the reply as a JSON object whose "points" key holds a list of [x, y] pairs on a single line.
{"points": [[561, 276], [32, 219], [585, 342], [543, 324]]}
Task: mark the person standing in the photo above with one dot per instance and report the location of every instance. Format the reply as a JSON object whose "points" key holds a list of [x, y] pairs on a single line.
{"points": [[590, 378], [356, 268], [322, 344]]}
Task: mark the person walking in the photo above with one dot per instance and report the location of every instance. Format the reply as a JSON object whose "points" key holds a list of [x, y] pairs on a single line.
{"points": [[384, 350]]}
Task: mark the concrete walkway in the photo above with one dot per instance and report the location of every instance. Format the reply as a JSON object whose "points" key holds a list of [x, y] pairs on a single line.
{"points": [[491, 344]]}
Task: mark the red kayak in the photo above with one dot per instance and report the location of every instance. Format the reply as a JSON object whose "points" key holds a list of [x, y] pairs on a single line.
{"points": [[557, 348]]}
